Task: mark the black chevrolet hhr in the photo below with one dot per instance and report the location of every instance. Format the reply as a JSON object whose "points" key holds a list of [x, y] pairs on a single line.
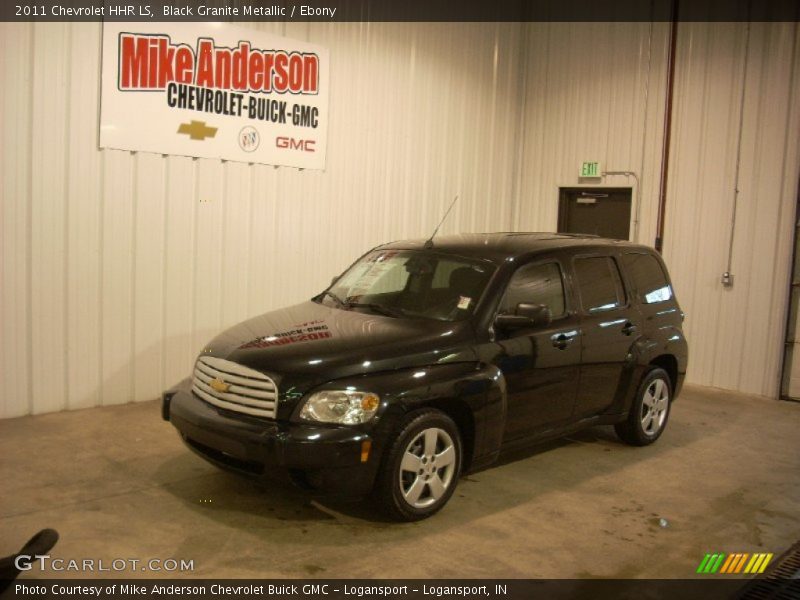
{"points": [[424, 360]]}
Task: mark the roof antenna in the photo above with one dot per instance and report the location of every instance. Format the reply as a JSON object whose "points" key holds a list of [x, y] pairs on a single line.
{"points": [[429, 243]]}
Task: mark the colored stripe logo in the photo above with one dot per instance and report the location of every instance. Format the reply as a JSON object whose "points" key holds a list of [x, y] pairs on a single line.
{"points": [[735, 563]]}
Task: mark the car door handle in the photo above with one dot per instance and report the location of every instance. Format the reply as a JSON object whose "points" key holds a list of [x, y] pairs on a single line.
{"points": [[629, 328], [561, 341]]}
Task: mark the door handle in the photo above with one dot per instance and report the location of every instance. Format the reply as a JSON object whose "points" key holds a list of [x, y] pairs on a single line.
{"points": [[561, 341], [629, 328]]}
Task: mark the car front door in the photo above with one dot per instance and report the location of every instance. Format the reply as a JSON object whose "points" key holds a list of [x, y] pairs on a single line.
{"points": [[610, 327], [540, 364]]}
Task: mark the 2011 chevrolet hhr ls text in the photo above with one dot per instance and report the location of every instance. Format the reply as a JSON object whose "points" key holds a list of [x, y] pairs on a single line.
{"points": [[424, 359]]}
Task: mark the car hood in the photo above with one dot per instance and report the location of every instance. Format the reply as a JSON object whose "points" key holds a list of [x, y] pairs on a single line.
{"points": [[310, 343]]}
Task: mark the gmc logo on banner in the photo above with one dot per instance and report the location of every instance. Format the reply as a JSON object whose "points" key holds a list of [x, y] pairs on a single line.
{"points": [[293, 144]]}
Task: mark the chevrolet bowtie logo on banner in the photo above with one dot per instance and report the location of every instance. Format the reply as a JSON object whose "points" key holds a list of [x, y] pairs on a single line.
{"points": [[735, 563], [197, 130], [247, 95]]}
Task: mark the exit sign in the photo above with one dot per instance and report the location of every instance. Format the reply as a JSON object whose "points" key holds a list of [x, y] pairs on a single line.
{"points": [[590, 169]]}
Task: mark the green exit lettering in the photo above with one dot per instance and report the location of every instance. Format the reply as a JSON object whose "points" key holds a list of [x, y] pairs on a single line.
{"points": [[590, 169]]}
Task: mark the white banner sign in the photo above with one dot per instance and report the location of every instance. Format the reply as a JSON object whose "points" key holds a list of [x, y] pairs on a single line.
{"points": [[214, 90]]}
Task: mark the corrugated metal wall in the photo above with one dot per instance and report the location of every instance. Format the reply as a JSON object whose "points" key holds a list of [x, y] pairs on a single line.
{"points": [[737, 333], [116, 267], [597, 91]]}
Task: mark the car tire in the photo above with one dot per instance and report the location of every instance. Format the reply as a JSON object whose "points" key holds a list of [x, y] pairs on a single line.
{"points": [[421, 468], [649, 410]]}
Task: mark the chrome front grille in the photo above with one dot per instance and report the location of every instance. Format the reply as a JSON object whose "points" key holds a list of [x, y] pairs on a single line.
{"points": [[231, 386]]}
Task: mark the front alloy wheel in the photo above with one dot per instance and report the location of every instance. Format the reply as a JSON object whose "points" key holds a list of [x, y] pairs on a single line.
{"points": [[427, 468], [422, 466]]}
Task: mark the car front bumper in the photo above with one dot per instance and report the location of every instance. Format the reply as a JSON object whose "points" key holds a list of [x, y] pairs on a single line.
{"points": [[326, 459]]}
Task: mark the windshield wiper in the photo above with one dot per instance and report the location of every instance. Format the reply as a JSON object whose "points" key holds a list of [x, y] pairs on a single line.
{"points": [[378, 308], [339, 301]]}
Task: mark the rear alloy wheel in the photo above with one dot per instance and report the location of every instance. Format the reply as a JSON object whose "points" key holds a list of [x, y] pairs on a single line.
{"points": [[649, 410], [422, 466]]}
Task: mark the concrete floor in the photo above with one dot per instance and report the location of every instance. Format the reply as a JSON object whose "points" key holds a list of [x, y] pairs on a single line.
{"points": [[116, 482]]}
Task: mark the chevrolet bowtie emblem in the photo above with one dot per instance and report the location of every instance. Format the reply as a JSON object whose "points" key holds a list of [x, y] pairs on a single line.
{"points": [[197, 130], [219, 386]]}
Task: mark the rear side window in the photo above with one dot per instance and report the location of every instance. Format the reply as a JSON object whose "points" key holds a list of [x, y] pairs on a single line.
{"points": [[599, 283], [535, 284], [648, 277]]}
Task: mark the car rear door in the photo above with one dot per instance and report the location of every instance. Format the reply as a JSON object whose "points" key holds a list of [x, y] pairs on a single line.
{"points": [[610, 325]]}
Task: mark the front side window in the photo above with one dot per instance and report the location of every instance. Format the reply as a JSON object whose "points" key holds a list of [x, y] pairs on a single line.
{"points": [[410, 283], [535, 284], [599, 283], [648, 277]]}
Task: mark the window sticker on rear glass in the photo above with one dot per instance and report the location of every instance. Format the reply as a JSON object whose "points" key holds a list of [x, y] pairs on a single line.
{"points": [[464, 302]]}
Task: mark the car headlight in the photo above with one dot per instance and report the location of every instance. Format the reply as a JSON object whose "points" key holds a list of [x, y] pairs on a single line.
{"points": [[339, 406]]}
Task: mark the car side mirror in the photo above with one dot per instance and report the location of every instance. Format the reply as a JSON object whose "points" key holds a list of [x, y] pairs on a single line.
{"points": [[538, 313], [525, 315]]}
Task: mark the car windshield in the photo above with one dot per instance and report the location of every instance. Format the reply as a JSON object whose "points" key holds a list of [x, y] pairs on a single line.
{"points": [[408, 283]]}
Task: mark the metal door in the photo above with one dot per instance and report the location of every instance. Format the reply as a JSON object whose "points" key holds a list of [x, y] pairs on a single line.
{"points": [[605, 212]]}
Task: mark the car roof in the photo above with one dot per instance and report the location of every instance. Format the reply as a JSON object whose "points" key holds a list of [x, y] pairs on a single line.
{"points": [[500, 246]]}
